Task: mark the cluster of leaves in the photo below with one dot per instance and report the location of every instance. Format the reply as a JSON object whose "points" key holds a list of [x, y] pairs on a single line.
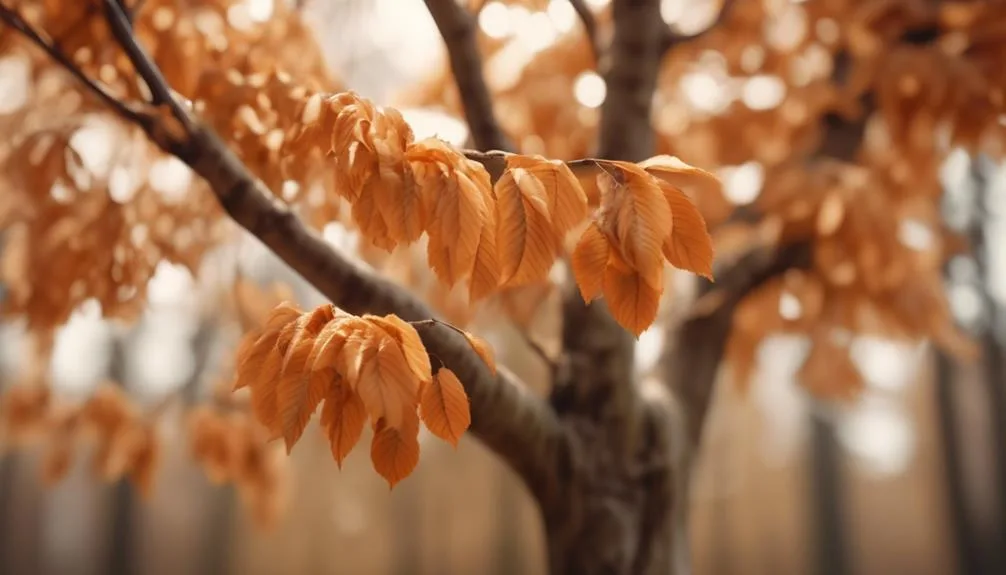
{"points": [[876, 271], [510, 233], [909, 79], [232, 448], [58, 182], [126, 442], [491, 234], [356, 368]]}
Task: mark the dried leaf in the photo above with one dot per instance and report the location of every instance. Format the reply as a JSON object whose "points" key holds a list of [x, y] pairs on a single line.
{"points": [[342, 418], [444, 407], [484, 350], [527, 243], [689, 246], [632, 301], [589, 261], [395, 451]]}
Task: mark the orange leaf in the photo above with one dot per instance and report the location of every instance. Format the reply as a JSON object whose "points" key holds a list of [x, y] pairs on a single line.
{"points": [[145, 459], [682, 176], [386, 385], [298, 394], [251, 356], [482, 348], [485, 277], [567, 202], [527, 242], [632, 301], [455, 196], [689, 246], [637, 218], [395, 452], [589, 260], [408, 340], [829, 371], [342, 418], [444, 407]]}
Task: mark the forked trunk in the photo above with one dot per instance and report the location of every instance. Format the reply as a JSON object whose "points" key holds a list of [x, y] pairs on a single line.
{"points": [[624, 518], [621, 498]]}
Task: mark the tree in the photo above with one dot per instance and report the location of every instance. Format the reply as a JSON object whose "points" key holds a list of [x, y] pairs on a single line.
{"points": [[863, 101]]}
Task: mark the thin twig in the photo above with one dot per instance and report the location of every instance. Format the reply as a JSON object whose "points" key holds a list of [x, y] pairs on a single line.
{"points": [[10, 17], [589, 27], [160, 91], [672, 39], [541, 352]]}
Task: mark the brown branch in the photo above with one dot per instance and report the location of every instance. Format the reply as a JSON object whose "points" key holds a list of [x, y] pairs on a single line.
{"points": [[672, 39], [458, 29], [505, 415], [631, 77], [694, 349], [122, 29], [589, 27]]}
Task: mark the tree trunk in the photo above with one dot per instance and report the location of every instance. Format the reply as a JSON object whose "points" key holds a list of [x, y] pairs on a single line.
{"points": [[620, 517]]}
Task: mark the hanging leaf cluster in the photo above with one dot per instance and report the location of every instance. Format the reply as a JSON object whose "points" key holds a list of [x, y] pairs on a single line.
{"points": [[126, 442], [357, 369], [510, 233]]}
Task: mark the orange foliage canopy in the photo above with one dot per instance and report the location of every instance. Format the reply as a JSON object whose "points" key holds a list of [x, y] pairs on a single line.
{"points": [[86, 227], [838, 115]]}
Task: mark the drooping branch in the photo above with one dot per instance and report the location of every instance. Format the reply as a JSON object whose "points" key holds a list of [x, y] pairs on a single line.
{"points": [[458, 28], [505, 416]]}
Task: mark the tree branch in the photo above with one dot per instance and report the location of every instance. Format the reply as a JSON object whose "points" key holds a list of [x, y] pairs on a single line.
{"points": [[519, 427], [505, 416], [631, 77], [457, 27], [694, 349], [589, 27], [122, 29]]}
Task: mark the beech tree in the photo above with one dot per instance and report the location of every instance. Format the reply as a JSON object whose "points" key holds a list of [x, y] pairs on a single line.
{"points": [[209, 119]]}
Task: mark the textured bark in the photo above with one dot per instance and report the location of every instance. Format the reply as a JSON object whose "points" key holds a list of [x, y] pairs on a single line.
{"points": [[619, 486]]}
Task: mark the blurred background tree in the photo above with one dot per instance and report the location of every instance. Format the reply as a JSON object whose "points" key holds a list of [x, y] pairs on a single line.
{"points": [[850, 354]]}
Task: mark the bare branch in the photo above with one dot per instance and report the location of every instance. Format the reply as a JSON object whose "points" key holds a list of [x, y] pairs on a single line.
{"points": [[122, 29], [458, 29], [589, 27], [672, 39]]}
